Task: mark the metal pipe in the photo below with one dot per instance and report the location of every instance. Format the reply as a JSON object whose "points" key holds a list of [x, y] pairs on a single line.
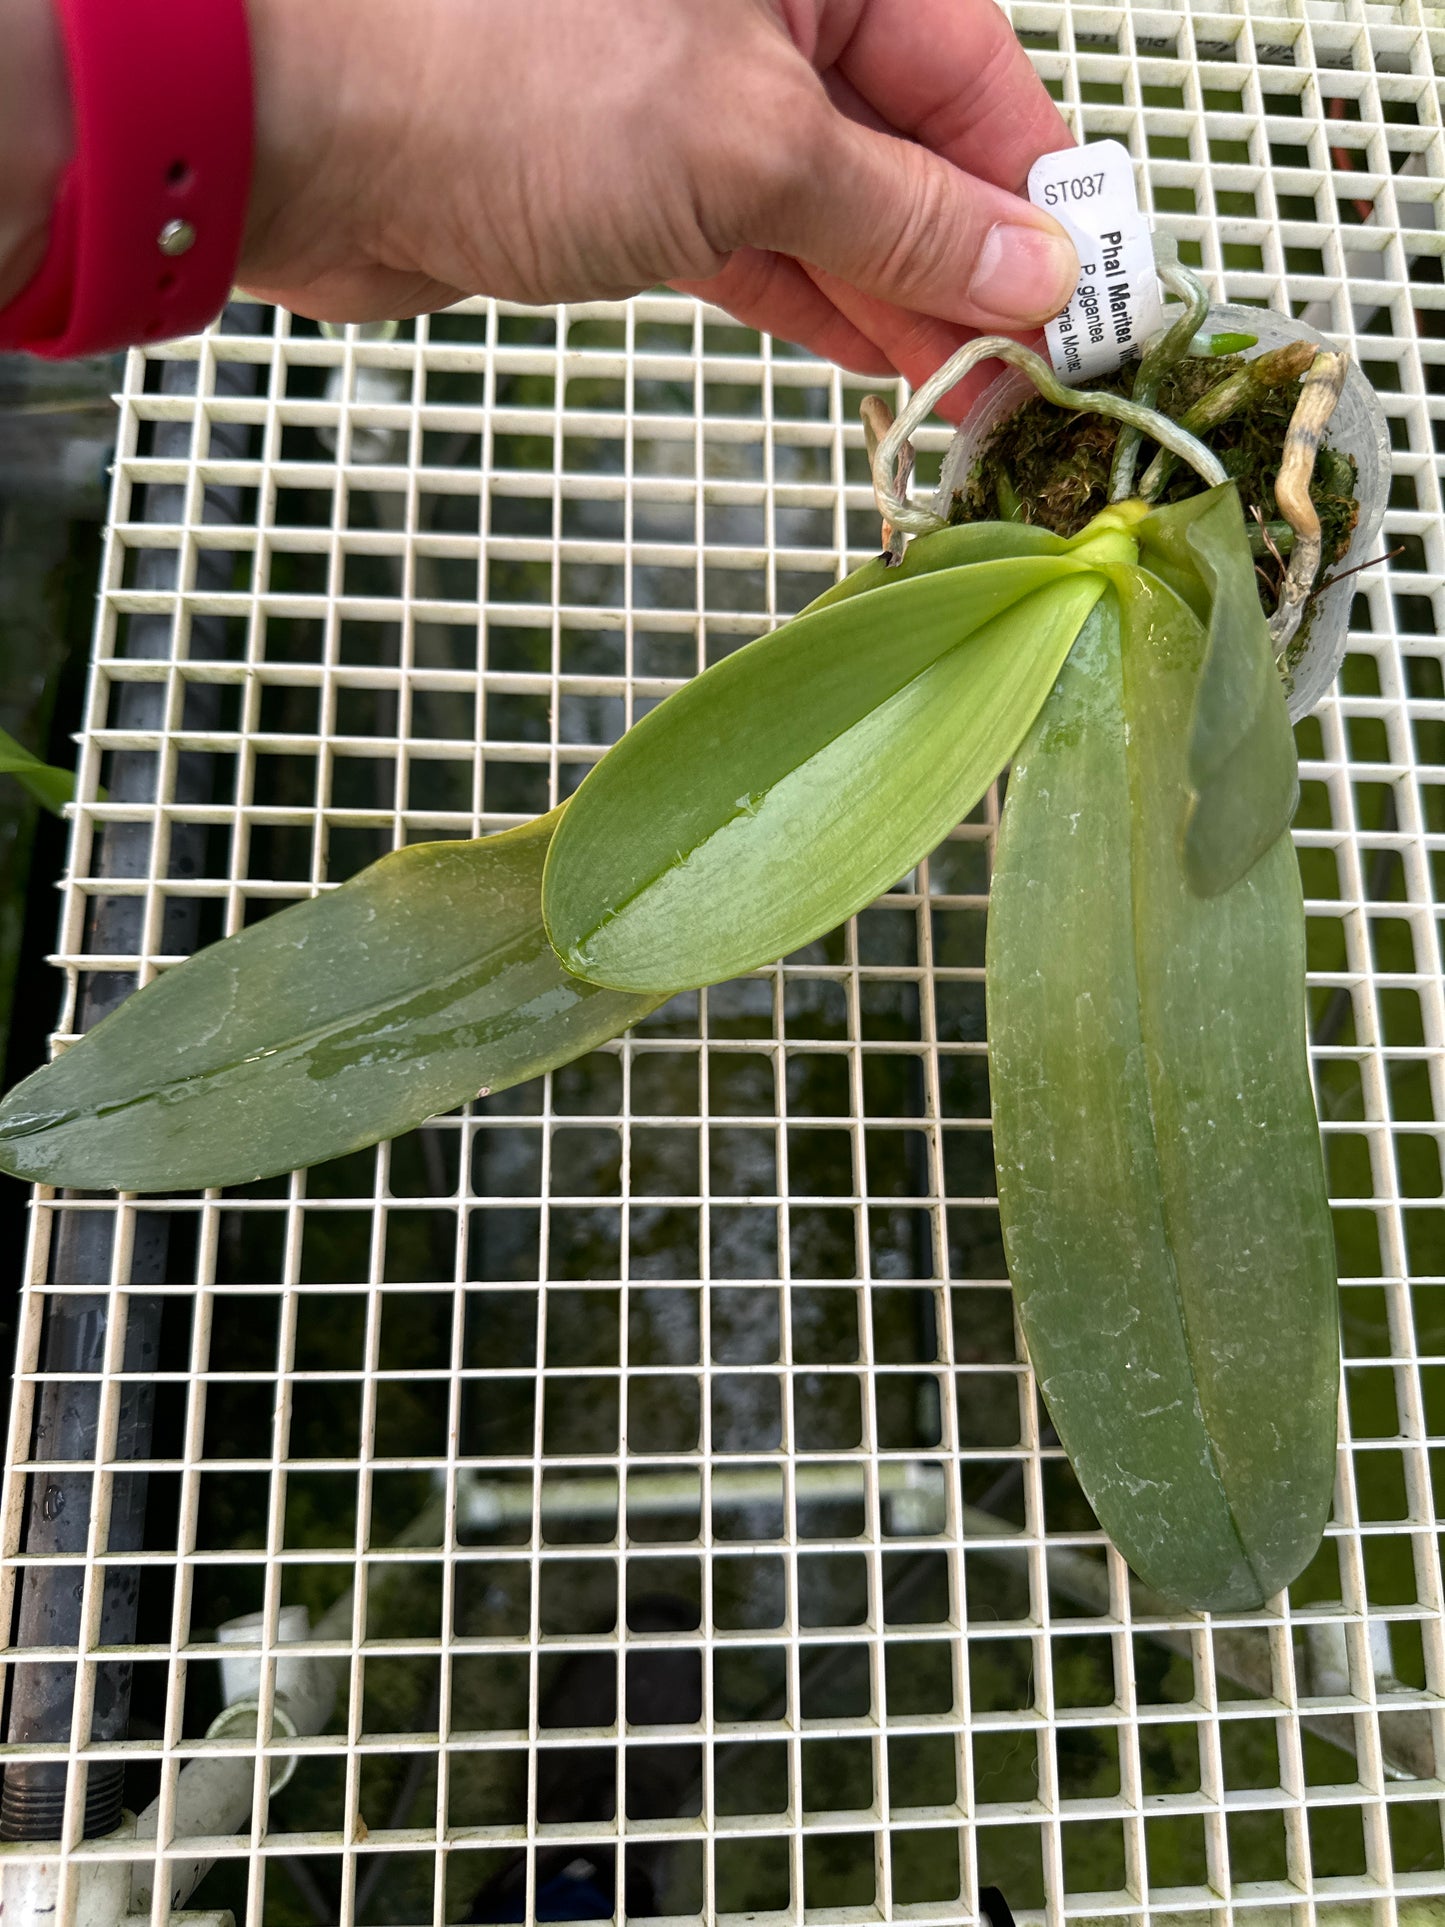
{"points": [[58, 1506]]}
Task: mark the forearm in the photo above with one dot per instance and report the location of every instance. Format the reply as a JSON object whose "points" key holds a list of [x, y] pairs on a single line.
{"points": [[35, 135], [409, 152]]}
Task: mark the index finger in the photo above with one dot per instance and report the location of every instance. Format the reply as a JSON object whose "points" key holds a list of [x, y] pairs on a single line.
{"points": [[952, 76]]}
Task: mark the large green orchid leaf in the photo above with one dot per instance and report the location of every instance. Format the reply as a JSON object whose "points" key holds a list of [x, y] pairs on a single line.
{"points": [[784, 789], [1241, 754], [342, 1020], [1160, 1179]]}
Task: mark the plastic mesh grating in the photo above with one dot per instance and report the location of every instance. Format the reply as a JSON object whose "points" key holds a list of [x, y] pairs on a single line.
{"points": [[652, 1444]]}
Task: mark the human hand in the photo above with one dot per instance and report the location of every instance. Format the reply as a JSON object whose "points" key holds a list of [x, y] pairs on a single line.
{"points": [[843, 173]]}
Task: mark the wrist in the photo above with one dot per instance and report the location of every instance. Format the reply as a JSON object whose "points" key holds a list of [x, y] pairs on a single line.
{"points": [[36, 136], [306, 101], [342, 128]]}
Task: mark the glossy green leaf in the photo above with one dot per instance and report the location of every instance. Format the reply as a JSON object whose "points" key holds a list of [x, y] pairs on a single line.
{"points": [[52, 788], [1241, 756], [342, 1020], [784, 789], [1160, 1179]]}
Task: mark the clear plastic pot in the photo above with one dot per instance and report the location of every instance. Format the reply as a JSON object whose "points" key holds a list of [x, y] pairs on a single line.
{"points": [[1358, 428]]}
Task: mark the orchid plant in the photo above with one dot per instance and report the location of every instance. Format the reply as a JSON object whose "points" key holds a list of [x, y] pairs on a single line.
{"points": [[1160, 1177]]}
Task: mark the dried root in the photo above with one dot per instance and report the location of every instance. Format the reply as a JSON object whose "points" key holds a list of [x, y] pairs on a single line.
{"points": [[1319, 393], [877, 420]]}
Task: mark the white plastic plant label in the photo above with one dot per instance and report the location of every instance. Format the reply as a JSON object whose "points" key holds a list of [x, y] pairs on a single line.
{"points": [[1117, 304]]}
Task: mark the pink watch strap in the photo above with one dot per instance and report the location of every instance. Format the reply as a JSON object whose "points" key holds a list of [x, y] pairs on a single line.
{"points": [[148, 220]]}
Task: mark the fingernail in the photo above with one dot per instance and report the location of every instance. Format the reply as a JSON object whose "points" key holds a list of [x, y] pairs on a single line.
{"points": [[1024, 273]]}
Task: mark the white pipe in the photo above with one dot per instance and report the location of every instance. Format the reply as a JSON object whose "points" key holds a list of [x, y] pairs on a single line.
{"points": [[371, 387], [30, 1889], [213, 1796], [913, 1489]]}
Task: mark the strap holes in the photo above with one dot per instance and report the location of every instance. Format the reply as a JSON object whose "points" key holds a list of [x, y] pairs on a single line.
{"points": [[179, 176]]}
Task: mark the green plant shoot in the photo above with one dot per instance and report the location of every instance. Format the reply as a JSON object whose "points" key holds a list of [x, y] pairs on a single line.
{"points": [[52, 788]]}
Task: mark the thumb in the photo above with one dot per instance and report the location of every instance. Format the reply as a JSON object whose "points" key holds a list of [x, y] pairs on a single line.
{"points": [[898, 222]]}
